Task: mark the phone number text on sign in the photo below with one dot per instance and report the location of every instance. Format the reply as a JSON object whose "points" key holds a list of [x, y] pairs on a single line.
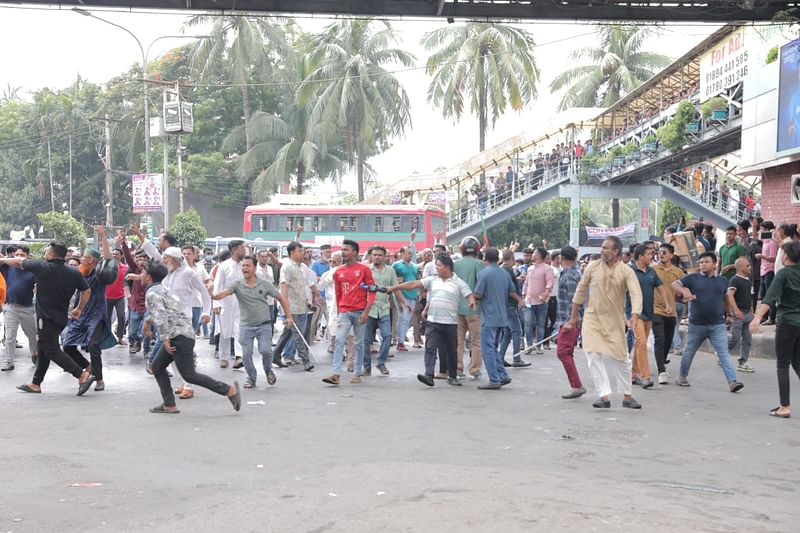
{"points": [[724, 66]]}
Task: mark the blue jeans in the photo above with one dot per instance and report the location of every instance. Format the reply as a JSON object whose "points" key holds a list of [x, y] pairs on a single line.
{"points": [[717, 335], [512, 333], [384, 325], [346, 321], [404, 320], [135, 320], [535, 318], [677, 341], [263, 334], [492, 360]]}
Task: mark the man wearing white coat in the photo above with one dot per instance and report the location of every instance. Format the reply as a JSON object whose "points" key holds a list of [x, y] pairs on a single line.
{"points": [[228, 273]]}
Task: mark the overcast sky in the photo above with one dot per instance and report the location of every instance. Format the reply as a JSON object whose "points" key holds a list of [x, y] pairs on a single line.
{"points": [[49, 48]]}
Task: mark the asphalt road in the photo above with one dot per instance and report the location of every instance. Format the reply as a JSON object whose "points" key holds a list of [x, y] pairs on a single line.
{"points": [[392, 455]]}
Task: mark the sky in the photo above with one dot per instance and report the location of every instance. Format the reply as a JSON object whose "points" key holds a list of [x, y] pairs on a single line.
{"points": [[51, 47]]}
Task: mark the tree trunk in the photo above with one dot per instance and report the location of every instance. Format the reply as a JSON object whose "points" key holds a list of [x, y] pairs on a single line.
{"points": [[615, 212], [301, 176], [50, 171], [360, 171], [70, 174], [482, 124]]}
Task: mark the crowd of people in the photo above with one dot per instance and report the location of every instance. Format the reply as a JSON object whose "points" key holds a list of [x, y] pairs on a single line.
{"points": [[738, 201], [465, 308]]}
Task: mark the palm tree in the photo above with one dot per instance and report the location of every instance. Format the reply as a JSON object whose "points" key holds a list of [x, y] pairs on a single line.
{"points": [[246, 58], [486, 66], [284, 146], [356, 97], [615, 67]]}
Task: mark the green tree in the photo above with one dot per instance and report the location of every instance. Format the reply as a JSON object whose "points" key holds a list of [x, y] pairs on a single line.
{"points": [[356, 97], [485, 66], [63, 227], [188, 228], [615, 67]]}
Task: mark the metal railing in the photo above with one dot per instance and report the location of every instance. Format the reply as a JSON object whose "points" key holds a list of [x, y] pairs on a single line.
{"points": [[711, 195], [525, 186]]}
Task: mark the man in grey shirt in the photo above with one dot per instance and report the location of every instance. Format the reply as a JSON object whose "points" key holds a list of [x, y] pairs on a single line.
{"points": [[255, 320]]}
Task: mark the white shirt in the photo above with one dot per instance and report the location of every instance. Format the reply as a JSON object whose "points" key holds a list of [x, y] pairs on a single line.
{"points": [[201, 271], [429, 269], [228, 273], [185, 284], [266, 273]]}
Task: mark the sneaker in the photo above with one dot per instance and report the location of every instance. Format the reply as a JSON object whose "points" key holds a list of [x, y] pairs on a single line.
{"points": [[366, 373], [238, 363], [519, 363], [475, 377], [355, 379], [308, 366], [132, 349], [100, 386], [647, 384], [384, 370], [539, 350], [574, 393], [7, 367], [602, 404], [504, 382], [663, 378], [682, 382], [745, 367], [736, 386], [417, 345], [333, 379], [454, 382], [631, 404]]}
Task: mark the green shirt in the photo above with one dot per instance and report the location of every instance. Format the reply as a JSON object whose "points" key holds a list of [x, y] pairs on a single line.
{"points": [[253, 306], [728, 256], [468, 268], [384, 277], [784, 295]]}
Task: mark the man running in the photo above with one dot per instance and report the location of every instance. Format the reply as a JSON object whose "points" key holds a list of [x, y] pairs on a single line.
{"points": [[55, 285], [177, 344], [18, 309]]}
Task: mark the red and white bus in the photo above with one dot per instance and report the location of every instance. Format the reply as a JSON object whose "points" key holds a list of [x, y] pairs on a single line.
{"points": [[387, 225]]}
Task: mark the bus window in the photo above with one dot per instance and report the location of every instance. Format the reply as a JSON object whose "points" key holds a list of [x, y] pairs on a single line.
{"points": [[396, 224], [319, 224], [437, 225], [344, 224], [410, 222], [378, 225], [289, 224], [261, 223]]}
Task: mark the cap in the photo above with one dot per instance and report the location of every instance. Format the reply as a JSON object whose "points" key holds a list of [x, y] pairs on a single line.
{"points": [[94, 252], [173, 251]]}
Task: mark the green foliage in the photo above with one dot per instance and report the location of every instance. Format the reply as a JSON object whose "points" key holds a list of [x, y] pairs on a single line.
{"points": [[672, 135], [649, 138], [549, 220], [613, 69], [616, 151], [630, 148], [188, 228], [37, 249], [64, 228], [713, 104], [669, 215], [772, 55]]}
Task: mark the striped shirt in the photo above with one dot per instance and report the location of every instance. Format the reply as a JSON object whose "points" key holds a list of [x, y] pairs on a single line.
{"points": [[444, 296]]}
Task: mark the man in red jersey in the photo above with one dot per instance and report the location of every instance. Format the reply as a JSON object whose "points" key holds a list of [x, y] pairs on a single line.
{"points": [[353, 299]]}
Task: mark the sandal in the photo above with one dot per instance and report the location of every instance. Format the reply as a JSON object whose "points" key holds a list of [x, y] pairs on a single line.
{"points": [[249, 384], [160, 409], [774, 412], [179, 390], [27, 388], [186, 394], [236, 399]]}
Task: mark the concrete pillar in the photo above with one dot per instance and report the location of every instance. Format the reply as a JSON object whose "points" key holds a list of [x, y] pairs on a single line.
{"points": [[574, 216]]}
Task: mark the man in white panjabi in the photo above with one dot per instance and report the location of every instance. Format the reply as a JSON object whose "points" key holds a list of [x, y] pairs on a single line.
{"points": [[228, 273], [603, 330]]}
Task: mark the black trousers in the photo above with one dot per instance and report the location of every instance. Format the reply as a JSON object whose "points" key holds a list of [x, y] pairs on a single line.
{"points": [[787, 349], [95, 354], [663, 331], [119, 306], [444, 338], [552, 311], [184, 360], [50, 350]]}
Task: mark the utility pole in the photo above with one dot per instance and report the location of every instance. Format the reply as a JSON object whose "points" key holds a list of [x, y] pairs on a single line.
{"points": [[70, 174], [165, 140], [50, 170], [109, 183], [180, 174]]}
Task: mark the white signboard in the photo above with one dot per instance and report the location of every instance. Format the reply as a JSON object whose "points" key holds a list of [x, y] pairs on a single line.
{"points": [[726, 64], [594, 232], [147, 192], [333, 240]]}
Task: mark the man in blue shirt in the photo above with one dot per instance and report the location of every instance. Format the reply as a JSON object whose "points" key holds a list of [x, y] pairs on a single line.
{"points": [[19, 309], [406, 270], [494, 288], [705, 292]]}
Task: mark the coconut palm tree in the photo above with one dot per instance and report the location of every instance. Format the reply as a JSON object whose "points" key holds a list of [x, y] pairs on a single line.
{"points": [[615, 67], [482, 65], [288, 146], [236, 45], [357, 98]]}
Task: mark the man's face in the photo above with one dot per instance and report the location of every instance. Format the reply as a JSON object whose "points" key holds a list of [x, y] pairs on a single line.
{"points": [[247, 268], [741, 233], [607, 252], [170, 262], [141, 261], [665, 256], [297, 254], [263, 258], [348, 253], [406, 255], [707, 266], [88, 261], [325, 255], [20, 254], [162, 244], [526, 258], [378, 257], [744, 268], [427, 256], [548, 260], [647, 258], [441, 270], [537, 257], [730, 236], [238, 252], [188, 255], [117, 256]]}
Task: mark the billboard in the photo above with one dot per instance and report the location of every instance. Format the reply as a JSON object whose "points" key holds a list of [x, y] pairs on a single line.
{"points": [[726, 64], [147, 193], [789, 99]]}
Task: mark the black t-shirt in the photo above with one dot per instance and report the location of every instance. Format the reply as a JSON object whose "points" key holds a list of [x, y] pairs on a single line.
{"points": [[742, 294], [55, 285]]}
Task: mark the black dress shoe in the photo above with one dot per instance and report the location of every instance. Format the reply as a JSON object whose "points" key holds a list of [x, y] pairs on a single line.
{"points": [[490, 386], [506, 364], [426, 379], [602, 404], [83, 387], [631, 404], [505, 382]]}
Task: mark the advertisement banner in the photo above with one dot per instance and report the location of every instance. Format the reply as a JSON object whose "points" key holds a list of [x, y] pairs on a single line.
{"points": [[644, 219], [437, 198], [147, 192], [726, 64], [394, 199], [593, 232], [789, 99]]}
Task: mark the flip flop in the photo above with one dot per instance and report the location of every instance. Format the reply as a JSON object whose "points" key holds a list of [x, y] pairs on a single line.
{"points": [[159, 409], [236, 399], [774, 412], [27, 388]]}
